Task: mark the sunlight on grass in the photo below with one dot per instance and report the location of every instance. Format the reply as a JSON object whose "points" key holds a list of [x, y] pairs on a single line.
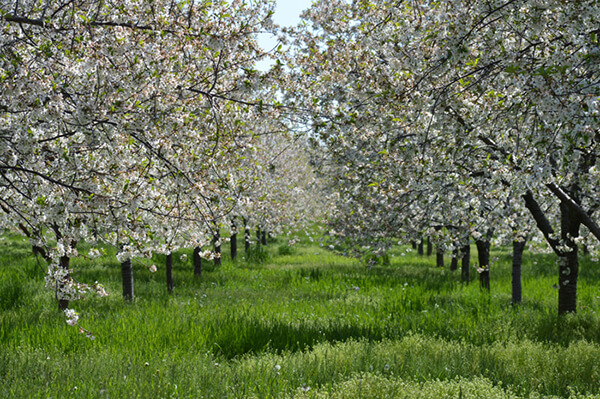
{"points": [[305, 323]]}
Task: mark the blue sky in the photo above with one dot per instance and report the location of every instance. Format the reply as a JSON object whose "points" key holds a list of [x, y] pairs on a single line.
{"points": [[287, 13]]}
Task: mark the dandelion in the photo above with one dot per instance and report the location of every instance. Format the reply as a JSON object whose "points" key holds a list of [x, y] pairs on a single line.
{"points": [[277, 367]]}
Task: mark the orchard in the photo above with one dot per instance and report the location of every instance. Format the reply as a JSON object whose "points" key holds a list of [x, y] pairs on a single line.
{"points": [[141, 132]]}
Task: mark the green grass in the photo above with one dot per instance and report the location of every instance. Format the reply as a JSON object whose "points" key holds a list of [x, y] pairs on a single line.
{"points": [[299, 323]]}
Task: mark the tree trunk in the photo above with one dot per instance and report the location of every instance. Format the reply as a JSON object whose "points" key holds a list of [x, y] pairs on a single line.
{"points": [[217, 248], [420, 247], [568, 269], [413, 243], [568, 262], [169, 269], [454, 261], [263, 238], [233, 240], [429, 247], [127, 278], [518, 248], [483, 255], [64, 263], [465, 269], [439, 256], [197, 262], [246, 235]]}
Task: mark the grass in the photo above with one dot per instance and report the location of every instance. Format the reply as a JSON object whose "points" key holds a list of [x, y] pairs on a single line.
{"points": [[300, 323]]}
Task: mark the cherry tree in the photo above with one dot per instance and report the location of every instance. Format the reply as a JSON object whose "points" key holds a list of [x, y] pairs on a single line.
{"points": [[116, 121], [501, 97]]}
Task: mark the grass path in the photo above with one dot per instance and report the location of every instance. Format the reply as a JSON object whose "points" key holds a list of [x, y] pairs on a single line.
{"points": [[306, 324]]}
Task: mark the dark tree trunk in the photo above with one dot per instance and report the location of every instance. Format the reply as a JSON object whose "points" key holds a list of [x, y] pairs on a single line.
{"points": [[197, 262], [568, 269], [454, 261], [569, 262], [246, 235], [263, 237], [420, 247], [64, 264], [483, 255], [217, 248], [465, 269], [518, 248], [233, 240], [439, 256], [169, 269], [127, 278], [413, 243], [429, 247]]}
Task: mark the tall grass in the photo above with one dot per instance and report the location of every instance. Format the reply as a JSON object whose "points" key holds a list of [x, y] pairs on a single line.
{"points": [[303, 323]]}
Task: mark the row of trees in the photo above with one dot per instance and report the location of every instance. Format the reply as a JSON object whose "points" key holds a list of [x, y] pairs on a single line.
{"points": [[142, 125], [456, 119]]}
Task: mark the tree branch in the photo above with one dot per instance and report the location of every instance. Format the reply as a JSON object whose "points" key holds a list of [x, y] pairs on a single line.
{"points": [[575, 207], [542, 222]]}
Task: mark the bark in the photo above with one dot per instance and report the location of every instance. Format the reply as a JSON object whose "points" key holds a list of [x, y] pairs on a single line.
{"points": [[217, 248], [420, 247], [233, 241], [263, 237], [429, 247], [483, 256], [454, 261], [466, 264], [197, 262], [570, 216], [64, 263], [541, 221], [576, 212], [127, 278], [413, 244], [169, 269], [246, 235], [569, 261], [517, 261], [439, 257]]}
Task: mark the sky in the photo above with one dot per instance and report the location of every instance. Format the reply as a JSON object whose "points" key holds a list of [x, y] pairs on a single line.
{"points": [[287, 13]]}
